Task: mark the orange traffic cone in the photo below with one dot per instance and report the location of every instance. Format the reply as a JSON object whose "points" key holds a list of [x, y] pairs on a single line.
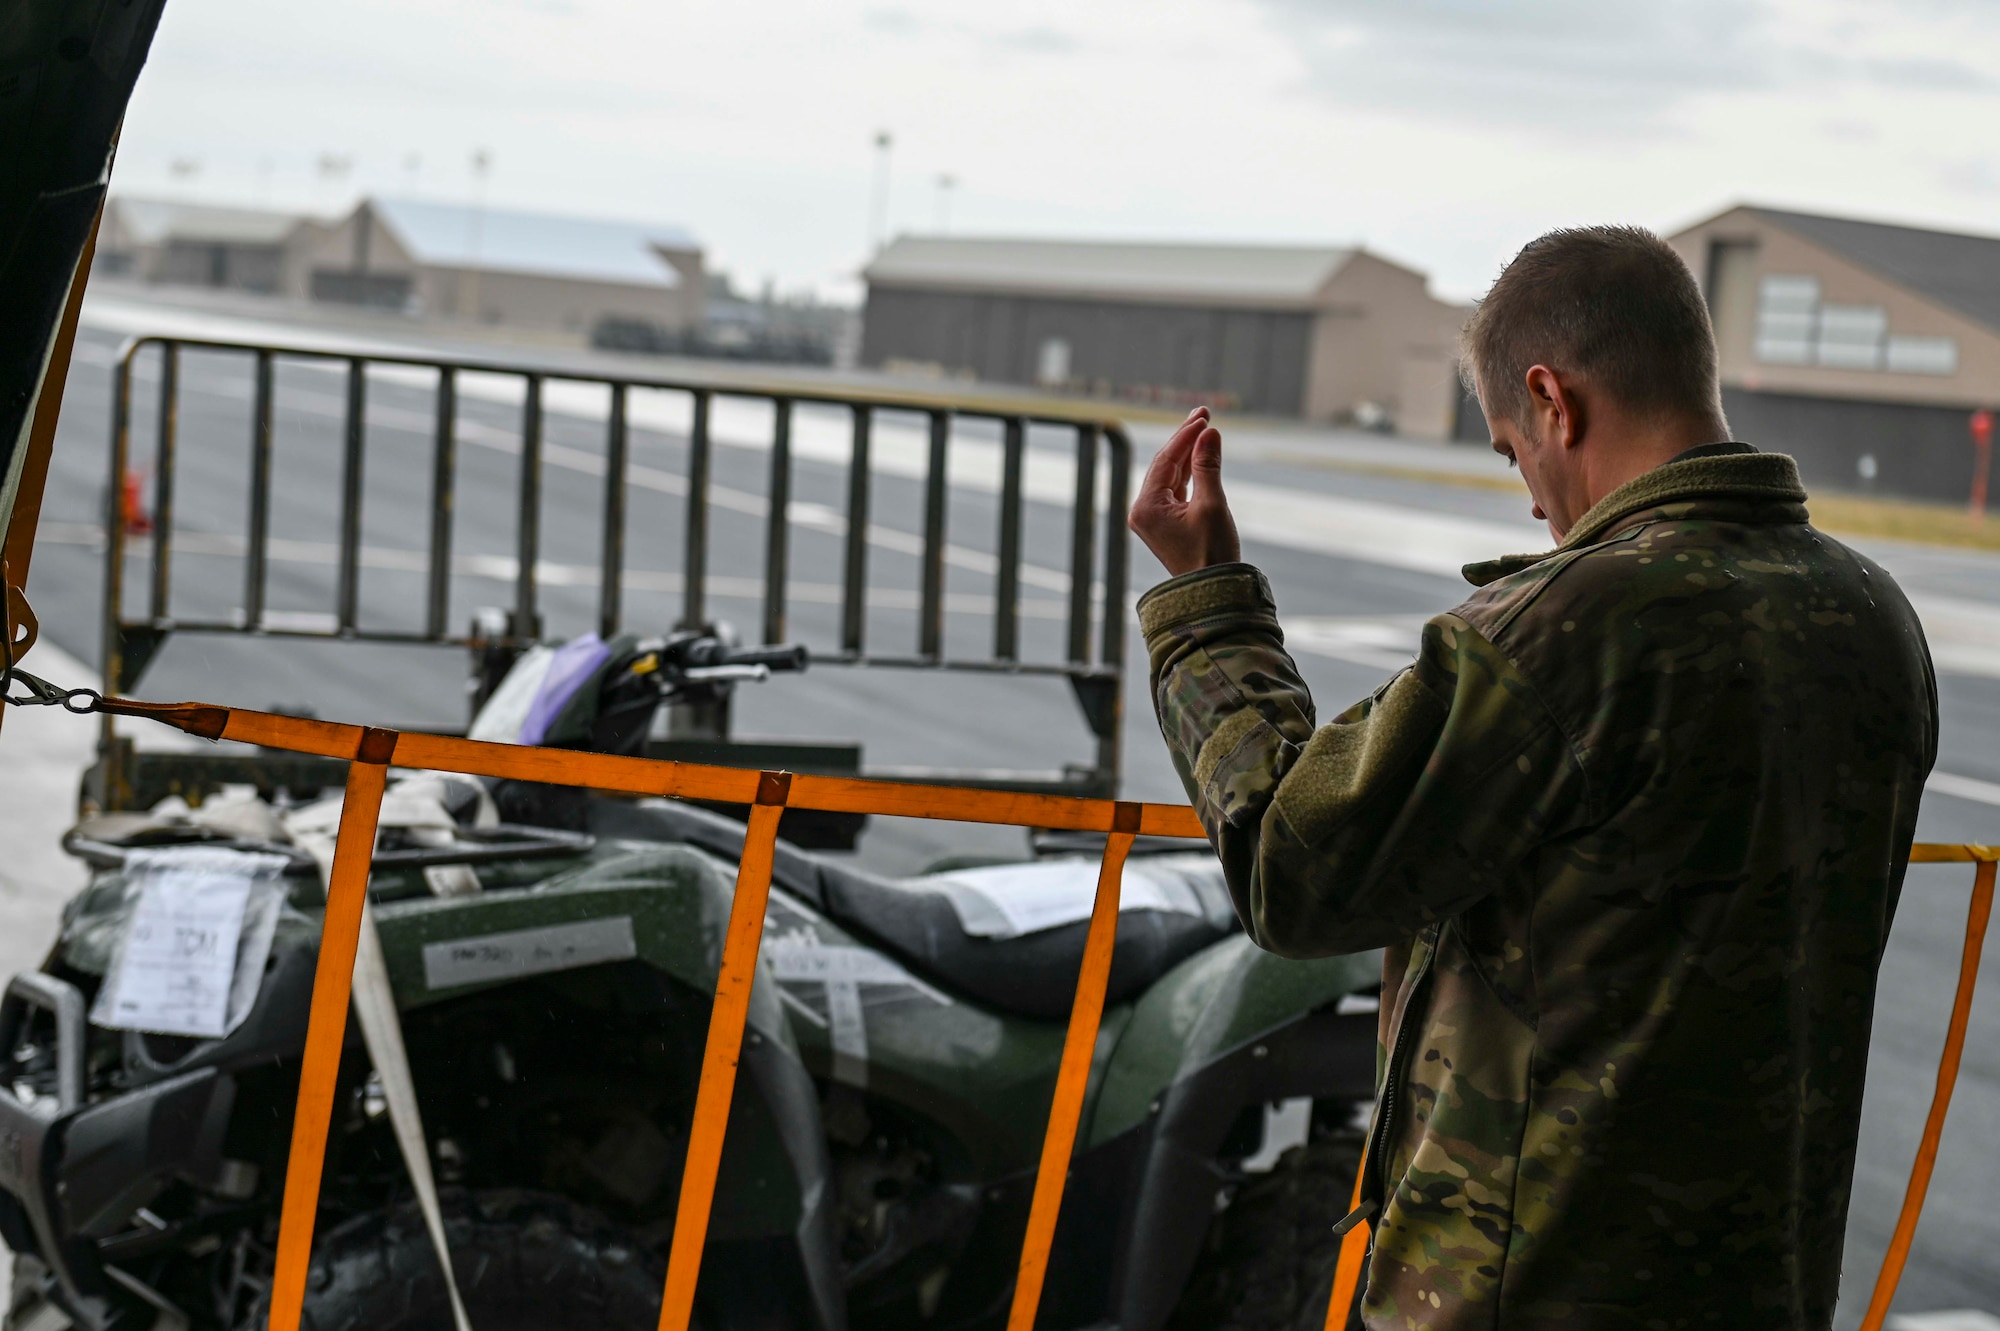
{"points": [[132, 507]]}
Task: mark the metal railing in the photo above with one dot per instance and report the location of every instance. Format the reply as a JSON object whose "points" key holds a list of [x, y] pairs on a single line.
{"points": [[1094, 641]]}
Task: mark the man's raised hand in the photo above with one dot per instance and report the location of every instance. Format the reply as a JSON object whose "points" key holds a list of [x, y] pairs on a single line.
{"points": [[1180, 512]]}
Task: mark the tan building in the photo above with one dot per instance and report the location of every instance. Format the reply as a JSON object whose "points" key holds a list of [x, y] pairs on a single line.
{"points": [[497, 266], [1861, 348], [1326, 333], [187, 244]]}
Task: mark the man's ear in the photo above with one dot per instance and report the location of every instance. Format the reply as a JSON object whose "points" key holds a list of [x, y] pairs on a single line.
{"points": [[1556, 406]]}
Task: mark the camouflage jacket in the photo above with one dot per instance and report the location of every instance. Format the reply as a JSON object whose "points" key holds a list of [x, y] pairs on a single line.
{"points": [[1632, 828]]}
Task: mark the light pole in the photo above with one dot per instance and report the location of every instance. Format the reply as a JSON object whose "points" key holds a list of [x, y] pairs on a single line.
{"points": [[333, 169], [482, 162], [946, 183], [878, 212]]}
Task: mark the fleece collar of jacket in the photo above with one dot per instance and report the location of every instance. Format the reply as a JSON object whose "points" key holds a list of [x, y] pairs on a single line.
{"points": [[1770, 477]]}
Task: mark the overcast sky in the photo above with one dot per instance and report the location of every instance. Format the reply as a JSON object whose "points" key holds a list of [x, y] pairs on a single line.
{"points": [[1442, 133]]}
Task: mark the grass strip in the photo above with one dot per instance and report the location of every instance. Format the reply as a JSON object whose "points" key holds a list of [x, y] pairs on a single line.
{"points": [[1905, 520], [1911, 520]]}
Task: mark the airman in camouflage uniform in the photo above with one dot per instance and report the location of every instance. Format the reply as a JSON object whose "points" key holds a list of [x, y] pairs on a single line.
{"points": [[1643, 805], [1632, 829]]}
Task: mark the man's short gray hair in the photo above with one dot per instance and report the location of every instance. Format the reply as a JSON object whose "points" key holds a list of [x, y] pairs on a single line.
{"points": [[1613, 305]]}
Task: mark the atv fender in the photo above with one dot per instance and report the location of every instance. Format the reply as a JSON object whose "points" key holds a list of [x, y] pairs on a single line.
{"points": [[1231, 1027], [667, 908]]}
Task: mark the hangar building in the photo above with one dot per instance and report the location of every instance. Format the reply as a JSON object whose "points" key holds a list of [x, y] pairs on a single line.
{"points": [[496, 266], [189, 244], [1324, 333], [1858, 347]]}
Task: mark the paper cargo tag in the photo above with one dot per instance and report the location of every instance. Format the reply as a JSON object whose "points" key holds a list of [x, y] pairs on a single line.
{"points": [[178, 961]]}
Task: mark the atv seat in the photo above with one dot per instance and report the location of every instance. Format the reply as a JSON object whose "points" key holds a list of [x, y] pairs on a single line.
{"points": [[1009, 938], [923, 923]]}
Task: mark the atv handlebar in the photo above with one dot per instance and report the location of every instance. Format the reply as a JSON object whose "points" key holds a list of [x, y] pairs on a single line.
{"points": [[711, 652], [635, 678], [726, 673]]}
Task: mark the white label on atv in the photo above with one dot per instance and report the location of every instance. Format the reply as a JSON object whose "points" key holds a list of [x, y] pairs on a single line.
{"points": [[803, 959], [179, 958], [555, 947]]}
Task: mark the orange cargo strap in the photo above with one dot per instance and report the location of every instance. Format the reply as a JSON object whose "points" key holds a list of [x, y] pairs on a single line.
{"points": [[371, 752], [17, 543], [18, 627], [1976, 919], [724, 1049], [346, 890], [1353, 1252], [1066, 1108]]}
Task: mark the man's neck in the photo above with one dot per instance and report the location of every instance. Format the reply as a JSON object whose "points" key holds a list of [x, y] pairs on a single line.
{"points": [[1639, 451]]}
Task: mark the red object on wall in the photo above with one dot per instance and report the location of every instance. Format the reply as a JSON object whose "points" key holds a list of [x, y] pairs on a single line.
{"points": [[1982, 444]]}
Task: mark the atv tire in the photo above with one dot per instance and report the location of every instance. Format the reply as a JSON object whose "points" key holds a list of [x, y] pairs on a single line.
{"points": [[1268, 1261], [525, 1262]]}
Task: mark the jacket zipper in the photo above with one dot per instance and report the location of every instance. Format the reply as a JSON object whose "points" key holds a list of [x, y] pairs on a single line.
{"points": [[1392, 1077]]}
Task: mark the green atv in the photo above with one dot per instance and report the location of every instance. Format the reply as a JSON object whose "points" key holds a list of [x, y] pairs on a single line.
{"points": [[551, 957]]}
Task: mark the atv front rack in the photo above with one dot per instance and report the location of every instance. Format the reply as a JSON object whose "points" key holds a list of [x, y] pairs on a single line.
{"points": [[370, 752]]}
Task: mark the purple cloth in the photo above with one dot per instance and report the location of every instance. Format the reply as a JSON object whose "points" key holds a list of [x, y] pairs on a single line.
{"points": [[575, 661]]}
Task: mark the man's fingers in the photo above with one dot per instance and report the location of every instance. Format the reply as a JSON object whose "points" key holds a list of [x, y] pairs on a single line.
{"points": [[1206, 466], [1186, 531], [1169, 469], [1183, 444]]}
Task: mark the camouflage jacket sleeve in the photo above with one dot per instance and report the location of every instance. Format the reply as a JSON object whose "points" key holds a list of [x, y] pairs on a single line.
{"points": [[1407, 808]]}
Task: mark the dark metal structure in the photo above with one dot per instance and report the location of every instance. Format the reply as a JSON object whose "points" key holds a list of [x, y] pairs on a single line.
{"points": [[1095, 637]]}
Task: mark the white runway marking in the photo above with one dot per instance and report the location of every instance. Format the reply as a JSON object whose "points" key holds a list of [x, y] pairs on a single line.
{"points": [[1965, 788]]}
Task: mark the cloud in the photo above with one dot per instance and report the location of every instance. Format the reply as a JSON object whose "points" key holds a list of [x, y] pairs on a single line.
{"points": [[1976, 175], [1590, 68], [1575, 66], [896, 22], [1929, 75], [1036, 41]]}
